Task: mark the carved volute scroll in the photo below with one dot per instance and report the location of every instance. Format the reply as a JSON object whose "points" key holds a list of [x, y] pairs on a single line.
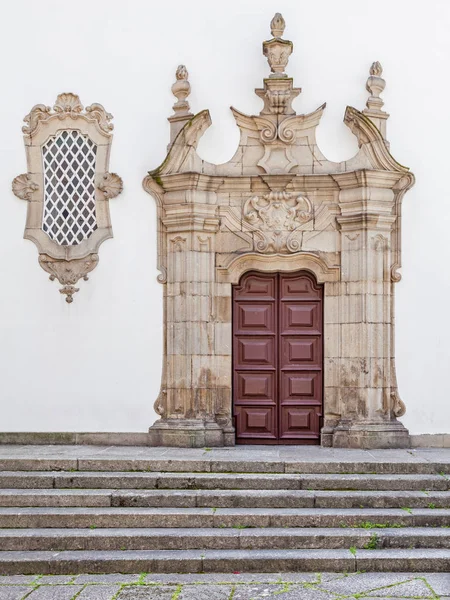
{"points": [[279, 206], [68, 187]]}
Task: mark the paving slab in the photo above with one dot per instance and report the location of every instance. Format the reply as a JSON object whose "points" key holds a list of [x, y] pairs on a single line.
{"points": [[17, 579], [417, 588], [146, 593], [54, 579], [439, 582], [55, 592], [255, 592], [107, 578], [378, 585], [16, 592], [99, 592], [206, 592], [222, 578]]}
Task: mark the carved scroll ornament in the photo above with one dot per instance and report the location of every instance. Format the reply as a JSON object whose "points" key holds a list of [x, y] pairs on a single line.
{"points": [[278, 217]]}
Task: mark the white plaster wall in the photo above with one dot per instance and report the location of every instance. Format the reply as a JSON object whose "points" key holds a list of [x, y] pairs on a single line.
{"points": [[95, 365]]}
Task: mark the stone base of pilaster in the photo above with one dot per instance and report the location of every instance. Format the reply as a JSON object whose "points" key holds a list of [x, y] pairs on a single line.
{"points": [[371, 435], [189, 433]]}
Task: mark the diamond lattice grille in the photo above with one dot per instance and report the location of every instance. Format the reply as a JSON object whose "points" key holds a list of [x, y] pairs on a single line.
{"points": [[69, 182]]}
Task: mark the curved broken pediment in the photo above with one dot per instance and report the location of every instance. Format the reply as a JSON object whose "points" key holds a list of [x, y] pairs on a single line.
{"points": [[278, 140]]}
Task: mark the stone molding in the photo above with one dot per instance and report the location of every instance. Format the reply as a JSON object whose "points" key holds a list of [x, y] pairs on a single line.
{"points": [[277, 263], [280, 205], [67, 263]]}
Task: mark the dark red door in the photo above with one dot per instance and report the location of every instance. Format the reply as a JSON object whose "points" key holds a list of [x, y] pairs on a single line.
{"points": [[277, 358]]}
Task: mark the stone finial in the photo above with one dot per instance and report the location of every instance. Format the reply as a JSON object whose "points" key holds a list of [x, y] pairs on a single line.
{"points": [[375, 85], [277, 50], [181, 90], [277, 25]]}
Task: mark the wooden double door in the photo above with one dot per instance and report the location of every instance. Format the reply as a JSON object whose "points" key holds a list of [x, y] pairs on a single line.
{"points": [[277, 358]]}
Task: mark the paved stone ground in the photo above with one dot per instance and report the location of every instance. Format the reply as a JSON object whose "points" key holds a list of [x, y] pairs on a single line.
{"points": [[223, 586], [265, 458]]}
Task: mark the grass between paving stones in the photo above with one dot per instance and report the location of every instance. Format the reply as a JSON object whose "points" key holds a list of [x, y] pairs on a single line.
{"points": [[319, 585]]}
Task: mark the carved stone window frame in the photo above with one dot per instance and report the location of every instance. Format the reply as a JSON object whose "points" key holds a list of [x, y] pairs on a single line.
{"points": [[67, 263]]}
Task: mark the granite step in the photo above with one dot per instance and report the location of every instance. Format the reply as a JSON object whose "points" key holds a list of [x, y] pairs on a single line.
{"points": [[112, 517], [222, 538], [220, 481], [223, 498], [224, 561], [204, 464]]}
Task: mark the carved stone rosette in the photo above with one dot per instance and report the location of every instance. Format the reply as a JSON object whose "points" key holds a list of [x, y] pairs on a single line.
{"points": [[280, 206], [68, 187]]}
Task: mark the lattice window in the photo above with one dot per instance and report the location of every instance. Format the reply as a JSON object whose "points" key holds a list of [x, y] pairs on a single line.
{"points": [[69, 184]]}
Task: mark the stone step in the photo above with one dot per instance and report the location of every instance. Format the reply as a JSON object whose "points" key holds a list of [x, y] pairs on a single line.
{"points": [[112, 517], [221, 539], [217, 481], [223, 498], [280, 499], [224, 561], [173, 463]]}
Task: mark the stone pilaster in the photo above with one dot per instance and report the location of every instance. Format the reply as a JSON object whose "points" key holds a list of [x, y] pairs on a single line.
{"points": [[197, 359], [364, 370]]}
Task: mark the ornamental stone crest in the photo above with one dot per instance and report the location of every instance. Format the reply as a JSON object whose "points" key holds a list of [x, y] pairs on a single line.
{"points": [[278, 217], [68, 187], [279, 206]]}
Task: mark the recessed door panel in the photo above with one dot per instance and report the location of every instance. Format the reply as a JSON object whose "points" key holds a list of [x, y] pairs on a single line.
{"points": [[277, 359], [253, 317], [256, 351], [255, 387], [300, 387], [300, 423], [301, 317], [256, 423], [301, 352]]}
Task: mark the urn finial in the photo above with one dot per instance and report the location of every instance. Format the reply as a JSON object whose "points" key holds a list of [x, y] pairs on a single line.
{"points": [[181, 90], [277, 50], [375, 85]]}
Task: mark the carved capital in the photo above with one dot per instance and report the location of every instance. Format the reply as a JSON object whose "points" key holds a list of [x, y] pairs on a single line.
{"points": [[23, 186]]}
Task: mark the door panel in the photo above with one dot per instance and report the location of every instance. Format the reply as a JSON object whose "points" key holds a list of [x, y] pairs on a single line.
{"points": [[255, 387], [258, 318], [301, 352], [257, 351], [277, 358]]}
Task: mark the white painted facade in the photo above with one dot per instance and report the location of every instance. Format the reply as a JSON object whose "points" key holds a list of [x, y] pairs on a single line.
{"points": [[94, 365]]}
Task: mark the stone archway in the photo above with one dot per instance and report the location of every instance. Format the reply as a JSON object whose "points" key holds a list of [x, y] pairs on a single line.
{"points": [[279, 205]]}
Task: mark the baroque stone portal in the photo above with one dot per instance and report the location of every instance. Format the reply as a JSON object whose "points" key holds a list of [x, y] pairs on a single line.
{"points": [[279, 206]]}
